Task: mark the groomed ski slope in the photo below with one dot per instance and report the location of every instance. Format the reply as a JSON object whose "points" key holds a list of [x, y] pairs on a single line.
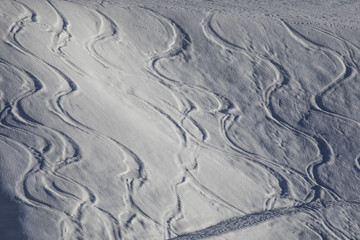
{"points": [[179, 120]]}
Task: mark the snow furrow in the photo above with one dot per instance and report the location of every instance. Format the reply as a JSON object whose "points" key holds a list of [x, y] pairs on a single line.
{"points": [[51, 169], [281, 80], [226, 125], [158, 120]]}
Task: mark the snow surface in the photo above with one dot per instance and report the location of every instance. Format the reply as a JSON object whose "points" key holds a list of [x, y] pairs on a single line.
{"points": [[179, 119]]}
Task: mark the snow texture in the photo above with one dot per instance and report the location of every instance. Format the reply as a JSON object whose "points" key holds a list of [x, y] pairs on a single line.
{"points": [[179, 119]]}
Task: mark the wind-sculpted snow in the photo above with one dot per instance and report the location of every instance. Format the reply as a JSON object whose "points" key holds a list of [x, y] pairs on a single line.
{"points": [[165, 120]]}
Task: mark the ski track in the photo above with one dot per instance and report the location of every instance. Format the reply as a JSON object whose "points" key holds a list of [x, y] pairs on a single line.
{"points": [[238, 223], [349, 71], [182, 45], [55, 150], [40, 166], [229, 119], [327, 155]]}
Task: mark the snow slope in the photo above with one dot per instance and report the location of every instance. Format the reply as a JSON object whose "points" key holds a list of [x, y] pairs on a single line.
{"points": [[179, 120]]}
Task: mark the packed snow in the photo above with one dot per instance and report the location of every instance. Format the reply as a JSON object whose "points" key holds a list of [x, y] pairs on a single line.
{"points": [[179, 120]]}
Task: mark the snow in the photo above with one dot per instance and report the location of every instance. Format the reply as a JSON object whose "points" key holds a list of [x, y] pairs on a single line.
{"points": [[179, 120]]}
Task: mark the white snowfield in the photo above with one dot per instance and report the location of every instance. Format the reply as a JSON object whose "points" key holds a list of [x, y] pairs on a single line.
{"points": [[179, 120]]}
